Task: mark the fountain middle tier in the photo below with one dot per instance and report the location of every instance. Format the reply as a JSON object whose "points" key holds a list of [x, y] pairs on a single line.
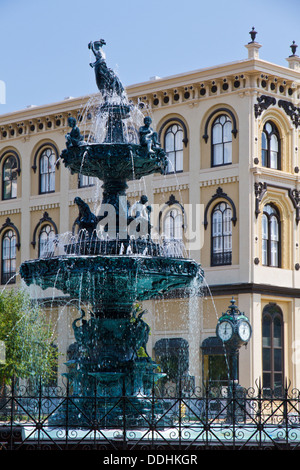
{"points": [[114, 161], [111, 284]]}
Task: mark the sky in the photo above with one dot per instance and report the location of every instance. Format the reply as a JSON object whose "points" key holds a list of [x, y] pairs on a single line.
{"points": [[45, 58]]}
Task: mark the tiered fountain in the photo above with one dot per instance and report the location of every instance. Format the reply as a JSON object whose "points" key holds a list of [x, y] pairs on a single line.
{"points": [[109, 277]]}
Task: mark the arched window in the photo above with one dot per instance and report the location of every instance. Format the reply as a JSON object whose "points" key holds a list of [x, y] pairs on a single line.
{"points": [[173, 146], [270, 146], [222, 141], [272, 348], [271, 236], [8, 257], [47, 170], [221, 235], [173, 225], [46, 239], [9, 178]]}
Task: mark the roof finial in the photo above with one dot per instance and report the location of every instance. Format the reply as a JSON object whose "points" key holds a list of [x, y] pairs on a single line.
{"points": [[293, 48], [253, 34]]}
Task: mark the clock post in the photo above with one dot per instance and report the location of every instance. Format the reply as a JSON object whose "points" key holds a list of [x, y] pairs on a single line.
{"points": [[234, 330]]}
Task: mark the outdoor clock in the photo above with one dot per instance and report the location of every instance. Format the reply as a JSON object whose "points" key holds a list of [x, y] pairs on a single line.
{"points": [[233, 327], [225, 330], [244, 330]]}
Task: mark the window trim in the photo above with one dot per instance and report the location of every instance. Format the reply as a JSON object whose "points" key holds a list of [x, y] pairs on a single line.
{"points": [[10, 155], [9, 274], [212, 154], [273, 311], [269, 217], [175, 151], [220, 111], [223, 253], [275, 132]]}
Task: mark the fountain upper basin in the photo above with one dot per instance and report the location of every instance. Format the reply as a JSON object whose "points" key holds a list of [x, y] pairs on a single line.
{"points": [[114, 160]]}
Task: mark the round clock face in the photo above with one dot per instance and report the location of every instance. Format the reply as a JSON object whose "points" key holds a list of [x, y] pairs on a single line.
{"points": [[244, 330], [225, 330]]}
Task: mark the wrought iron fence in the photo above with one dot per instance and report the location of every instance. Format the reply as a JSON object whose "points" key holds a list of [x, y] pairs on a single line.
{"points": [[167, 419]]}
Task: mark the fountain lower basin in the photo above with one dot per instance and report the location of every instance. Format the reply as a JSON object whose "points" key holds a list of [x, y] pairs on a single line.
{"points": [[111, 283]]}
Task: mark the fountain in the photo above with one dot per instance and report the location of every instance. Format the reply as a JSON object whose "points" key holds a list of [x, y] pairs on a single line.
{"points": [[110, 276]]}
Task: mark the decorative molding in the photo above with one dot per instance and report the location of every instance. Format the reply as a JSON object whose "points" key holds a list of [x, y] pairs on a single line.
{"points": [[220, 195], [9, 224], [216, 111], [43, 207], [264, 102], [291, 110], [221, 180], [259, 190]]}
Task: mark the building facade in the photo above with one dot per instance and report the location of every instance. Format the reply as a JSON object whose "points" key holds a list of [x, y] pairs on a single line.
{"points": [[231, 135]]}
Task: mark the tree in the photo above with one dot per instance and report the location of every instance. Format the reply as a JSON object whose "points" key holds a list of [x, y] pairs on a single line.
{"points": [[28, 339]]}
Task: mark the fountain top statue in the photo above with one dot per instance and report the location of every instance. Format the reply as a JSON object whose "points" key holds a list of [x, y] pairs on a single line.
{"points": [[106, 80]]}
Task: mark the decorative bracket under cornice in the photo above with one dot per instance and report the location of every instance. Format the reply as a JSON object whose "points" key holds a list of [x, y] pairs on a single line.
{"points": [[294, 195], [291, 110], [264, 102]]}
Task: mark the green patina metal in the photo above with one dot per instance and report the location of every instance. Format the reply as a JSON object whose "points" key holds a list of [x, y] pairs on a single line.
{"points": [[108, 345]]}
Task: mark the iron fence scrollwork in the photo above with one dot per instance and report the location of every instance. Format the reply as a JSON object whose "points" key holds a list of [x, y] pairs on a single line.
{"points": [[168, 418]]}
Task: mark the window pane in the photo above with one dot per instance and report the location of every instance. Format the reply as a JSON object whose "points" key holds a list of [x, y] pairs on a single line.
{"points": [[266, 359], [274, 143], [277, 360], [218, 154], [228, 152], [171, 161], [179, 160], [169, 142], [178, 139], [273, 160], [277, 332], [266, 332], [227, 134], [217, 133]]}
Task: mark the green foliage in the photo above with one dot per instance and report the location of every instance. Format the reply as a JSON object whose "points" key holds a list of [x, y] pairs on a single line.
{"points": [[27, 336]]}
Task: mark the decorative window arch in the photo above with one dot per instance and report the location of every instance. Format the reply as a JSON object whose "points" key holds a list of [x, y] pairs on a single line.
{"points": [[221, 140], [173, 224], [9, 178], [8, 256], [221, 234], [46, 160], [272, 348], [271, 236], [172, 218], [220, 195], [46, 238], [271, 146], [43, 222], [10, 163], [175, 139]]}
